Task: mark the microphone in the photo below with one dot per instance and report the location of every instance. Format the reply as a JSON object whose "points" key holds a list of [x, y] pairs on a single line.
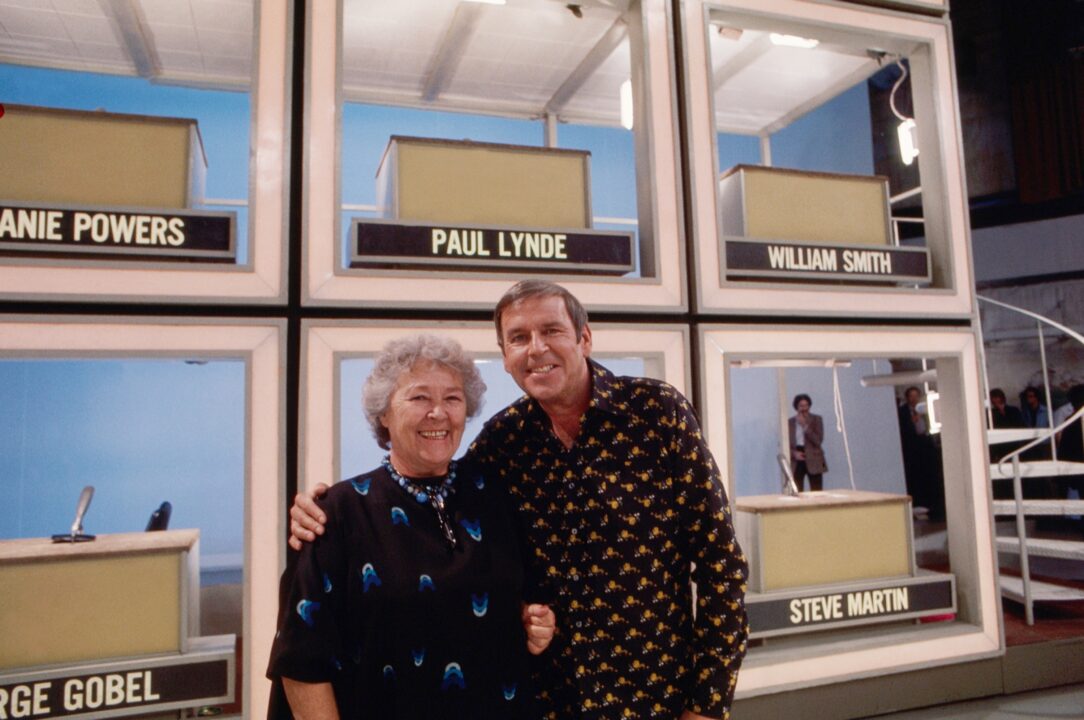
{"points": [[77, 535], [790, 487]]}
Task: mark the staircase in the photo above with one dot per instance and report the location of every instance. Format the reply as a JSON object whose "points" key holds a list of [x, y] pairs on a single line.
{"points": [[1024, 589]]}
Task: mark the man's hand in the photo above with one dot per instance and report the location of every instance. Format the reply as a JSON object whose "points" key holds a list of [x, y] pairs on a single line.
{"points": [[306, 518], [540, 624]]}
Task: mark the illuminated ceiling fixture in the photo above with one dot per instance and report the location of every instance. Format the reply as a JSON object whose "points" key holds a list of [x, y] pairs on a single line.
{"points": [[793, 41], [626, 104], [907, 131]]}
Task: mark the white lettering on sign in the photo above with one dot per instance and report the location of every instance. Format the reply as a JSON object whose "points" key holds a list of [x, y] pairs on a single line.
{"points": [[467, 243], [109, 690], [120, 229], [877, 602], [788, 257], [25, 701], [535, 245], [28, 224], [816, 609], [871, 262]]}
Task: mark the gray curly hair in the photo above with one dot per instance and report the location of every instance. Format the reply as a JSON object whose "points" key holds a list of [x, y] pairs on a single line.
{"points": [[402, 355]]}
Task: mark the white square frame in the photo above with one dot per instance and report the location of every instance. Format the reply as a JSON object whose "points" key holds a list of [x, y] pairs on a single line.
{"points": [[326, 283], [261, 346], [262, 279], [970, 520], [941, 164], [326, 343]]}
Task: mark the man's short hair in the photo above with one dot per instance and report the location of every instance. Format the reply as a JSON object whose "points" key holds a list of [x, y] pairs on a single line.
{"points": [[527, 289], [800, 397], [998, 393]]}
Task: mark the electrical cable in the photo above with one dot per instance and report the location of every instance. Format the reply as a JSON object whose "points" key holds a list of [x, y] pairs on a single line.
{"points": [[841, 425]]}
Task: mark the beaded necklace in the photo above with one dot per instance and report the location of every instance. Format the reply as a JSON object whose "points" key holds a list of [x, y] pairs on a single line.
{"points": [[433, 496]]}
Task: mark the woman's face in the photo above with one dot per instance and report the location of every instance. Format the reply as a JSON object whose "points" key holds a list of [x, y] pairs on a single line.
{"points": [[425, 418]]}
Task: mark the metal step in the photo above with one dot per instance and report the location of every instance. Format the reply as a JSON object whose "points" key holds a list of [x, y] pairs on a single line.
{"points": [[1013, 588], [1040, 507], [1036, 469], [1004, 435], [1041, 547]]}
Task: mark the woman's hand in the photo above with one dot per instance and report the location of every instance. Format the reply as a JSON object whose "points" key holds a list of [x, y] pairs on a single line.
{"points": [[540, 624], [306, 518]]}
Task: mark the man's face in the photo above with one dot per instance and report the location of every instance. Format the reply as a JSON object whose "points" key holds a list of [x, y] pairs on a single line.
{"points": [[803, 407], [541, 351], [912, 397], [998, 402], [1032, 400]]}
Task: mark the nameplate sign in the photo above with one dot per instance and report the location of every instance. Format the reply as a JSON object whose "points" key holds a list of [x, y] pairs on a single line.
{"points": [[115, 689], [809, 261], [381, 243], [115, 233], [783, 613]]}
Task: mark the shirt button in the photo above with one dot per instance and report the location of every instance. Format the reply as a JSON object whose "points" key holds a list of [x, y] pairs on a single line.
{"points": [[573, 531]]}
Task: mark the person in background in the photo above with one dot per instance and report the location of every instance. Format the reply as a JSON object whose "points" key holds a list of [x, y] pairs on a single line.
{"points": [[806, 432], [921, 457], [1033, 409], [1003, 414], [622, 508], [409, 607]]}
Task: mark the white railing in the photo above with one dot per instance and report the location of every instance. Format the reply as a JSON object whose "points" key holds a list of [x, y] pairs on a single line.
{"points": [[1048, 435]]}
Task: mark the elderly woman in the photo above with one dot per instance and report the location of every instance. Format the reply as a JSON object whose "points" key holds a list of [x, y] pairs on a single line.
{"points": [[410, 605]]}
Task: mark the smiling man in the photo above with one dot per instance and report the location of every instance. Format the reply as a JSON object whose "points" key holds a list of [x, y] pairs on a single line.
{"points": [[622, 509]]}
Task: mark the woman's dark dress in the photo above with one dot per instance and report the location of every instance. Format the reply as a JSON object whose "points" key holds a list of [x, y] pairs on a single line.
{"points": [[401, 625]]}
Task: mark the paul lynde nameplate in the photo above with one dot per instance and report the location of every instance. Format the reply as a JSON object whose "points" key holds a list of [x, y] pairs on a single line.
{"points": [[170, 234], [395, 244]]}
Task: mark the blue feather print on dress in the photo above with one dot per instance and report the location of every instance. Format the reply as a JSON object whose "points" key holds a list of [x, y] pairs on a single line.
{"points": [[479, 604], [306, 610], [473, 528], [419, 656], [361, 487], [453, 677], [389, 672], [509, 691], [480, 482], [327, 584], [369, 578], [399, 517], [425, 583]]}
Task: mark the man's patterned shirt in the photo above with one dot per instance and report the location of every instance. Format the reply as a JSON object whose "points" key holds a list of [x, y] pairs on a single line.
{"points": [[615, 529]]}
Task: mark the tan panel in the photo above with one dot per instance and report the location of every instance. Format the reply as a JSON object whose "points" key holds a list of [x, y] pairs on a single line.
{"points": [[88, 608], [816, 546], [488, 185], [815, 207], [84, 158]]}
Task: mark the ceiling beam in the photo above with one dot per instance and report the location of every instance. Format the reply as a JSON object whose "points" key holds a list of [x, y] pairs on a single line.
{"points": [[591, 62], [752, 52], [130, 24], [445, 61]]}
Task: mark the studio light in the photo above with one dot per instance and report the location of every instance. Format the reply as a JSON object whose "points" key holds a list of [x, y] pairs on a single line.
{"points": [[907, 132], [626, 104], [793, 41]]}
